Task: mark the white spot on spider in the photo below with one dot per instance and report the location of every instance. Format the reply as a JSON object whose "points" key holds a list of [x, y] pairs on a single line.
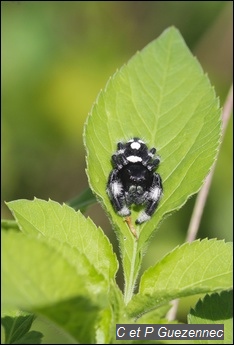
{"points": [[135, 145], [134, 159], [155, 193], [124, 212], [143, 217], [116, 188]]}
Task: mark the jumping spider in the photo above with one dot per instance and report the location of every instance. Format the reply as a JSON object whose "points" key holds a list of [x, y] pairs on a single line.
{"points": [[133, 180]]}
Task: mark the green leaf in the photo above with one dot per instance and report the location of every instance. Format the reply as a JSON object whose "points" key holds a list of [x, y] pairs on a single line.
{"points": [[35, 273], [106, 327], [77, 316], [17, 330], [36, 277], [163, 97], [62, 225], [81, 251], [193, 268], [215, 309]]}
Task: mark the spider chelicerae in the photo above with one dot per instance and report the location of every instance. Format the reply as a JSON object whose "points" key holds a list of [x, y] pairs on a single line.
{"points": [[133, 179]]}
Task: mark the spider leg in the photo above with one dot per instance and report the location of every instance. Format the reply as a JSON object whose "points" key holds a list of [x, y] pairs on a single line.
{"points": [[154, 196], [149, 156], [119, 159], [154, 164], [152, 151], [120, 146], [115, 191]]}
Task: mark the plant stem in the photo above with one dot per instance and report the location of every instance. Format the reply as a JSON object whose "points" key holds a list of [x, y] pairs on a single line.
{"points": [[131, 280]]}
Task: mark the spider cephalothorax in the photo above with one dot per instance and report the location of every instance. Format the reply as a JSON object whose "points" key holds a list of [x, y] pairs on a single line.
{"points": [[133, 180]]}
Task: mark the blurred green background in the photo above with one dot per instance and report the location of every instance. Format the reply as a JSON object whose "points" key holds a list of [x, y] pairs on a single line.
{"points": [[56, 56]]}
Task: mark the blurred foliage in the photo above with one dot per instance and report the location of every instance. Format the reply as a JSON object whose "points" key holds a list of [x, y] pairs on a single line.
{"points": [[56, 56]]}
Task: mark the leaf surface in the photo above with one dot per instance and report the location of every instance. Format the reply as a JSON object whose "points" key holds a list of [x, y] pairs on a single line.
{"points": [[163, 97], [17, 330], [215, 309], [38, 278], [66, 228], [193, 268]]}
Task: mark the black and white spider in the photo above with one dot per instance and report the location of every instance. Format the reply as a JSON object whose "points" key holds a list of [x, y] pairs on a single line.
{"points": [[133, 180]]}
